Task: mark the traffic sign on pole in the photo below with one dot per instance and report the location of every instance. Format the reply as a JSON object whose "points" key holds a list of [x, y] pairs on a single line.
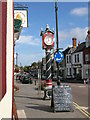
{"points": [[58, 56]]}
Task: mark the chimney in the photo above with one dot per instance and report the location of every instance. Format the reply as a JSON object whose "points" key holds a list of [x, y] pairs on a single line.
{"points": [[88, 39], [88, 32], [74, 39]]}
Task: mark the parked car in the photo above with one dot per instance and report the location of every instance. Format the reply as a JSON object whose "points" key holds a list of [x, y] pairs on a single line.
{"points": [[25, 80], [55, 77]]}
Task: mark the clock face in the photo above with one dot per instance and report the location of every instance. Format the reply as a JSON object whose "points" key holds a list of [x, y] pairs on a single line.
{"points": [[48, 40]]}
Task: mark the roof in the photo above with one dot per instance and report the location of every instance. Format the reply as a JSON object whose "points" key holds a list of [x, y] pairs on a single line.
{"points": [[66, 50], [80, 48]]}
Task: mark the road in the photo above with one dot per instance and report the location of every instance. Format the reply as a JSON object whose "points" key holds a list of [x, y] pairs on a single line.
{"points": [[30, 103], [80, 93]]}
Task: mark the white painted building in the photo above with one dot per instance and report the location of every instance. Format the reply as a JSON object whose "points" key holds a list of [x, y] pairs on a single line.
{"points": [[77, 64], [86, 58], [69, 59]]}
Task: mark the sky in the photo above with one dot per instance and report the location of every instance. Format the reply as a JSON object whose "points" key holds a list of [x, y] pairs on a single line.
{"points": [[72, 21]]}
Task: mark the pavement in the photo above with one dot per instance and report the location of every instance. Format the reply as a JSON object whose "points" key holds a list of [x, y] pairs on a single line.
{"points": [[30, 104]]}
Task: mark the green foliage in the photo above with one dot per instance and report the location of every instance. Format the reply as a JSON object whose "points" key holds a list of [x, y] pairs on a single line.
{"points": [[16, 69], [34, 64], [21, 67], [25, 69]]}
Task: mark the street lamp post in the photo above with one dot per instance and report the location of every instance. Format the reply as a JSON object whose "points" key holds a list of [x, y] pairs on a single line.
{"points": [[57, 42]]}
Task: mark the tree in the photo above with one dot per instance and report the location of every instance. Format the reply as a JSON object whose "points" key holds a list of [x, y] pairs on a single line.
{"points": [[25, 69], [21, 67]]}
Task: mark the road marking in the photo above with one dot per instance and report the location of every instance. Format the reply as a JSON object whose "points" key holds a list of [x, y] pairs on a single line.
{"points": [[81, 86], [85, 108], [21, 114], [87, 114]]}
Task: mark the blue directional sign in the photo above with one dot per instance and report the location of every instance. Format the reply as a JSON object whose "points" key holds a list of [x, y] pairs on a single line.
{"points": [[58, 56]]}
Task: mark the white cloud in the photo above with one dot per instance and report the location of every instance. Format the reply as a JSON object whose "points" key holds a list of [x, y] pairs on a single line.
{"points": [[79, 33], [14, 55], [27, 59], [79, 11], [30, 40]]}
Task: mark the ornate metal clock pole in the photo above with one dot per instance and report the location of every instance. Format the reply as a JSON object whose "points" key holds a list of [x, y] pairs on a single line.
{"points": [[48, 64], [48, 44]]}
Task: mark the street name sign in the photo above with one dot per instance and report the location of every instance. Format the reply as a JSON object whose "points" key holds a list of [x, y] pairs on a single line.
{"points": [[58, 56], [62, 98]]}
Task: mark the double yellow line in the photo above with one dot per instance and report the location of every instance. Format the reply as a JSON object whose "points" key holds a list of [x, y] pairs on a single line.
{"points": [[87, 114]]}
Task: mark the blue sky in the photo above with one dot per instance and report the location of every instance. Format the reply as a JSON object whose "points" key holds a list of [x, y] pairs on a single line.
{"points": [[72, 21]]}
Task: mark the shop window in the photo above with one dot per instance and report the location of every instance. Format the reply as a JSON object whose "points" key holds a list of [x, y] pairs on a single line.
{"points": [[87, 72]]}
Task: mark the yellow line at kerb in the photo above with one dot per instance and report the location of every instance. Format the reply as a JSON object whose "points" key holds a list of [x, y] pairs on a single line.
{"points": [[87, 114]]}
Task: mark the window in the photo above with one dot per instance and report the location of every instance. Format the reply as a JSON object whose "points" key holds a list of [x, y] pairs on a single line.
{"points": [[87, 57], [70, 59], [67, 59], [87, 71], [67, 71], [70, 71], [77, 57]]}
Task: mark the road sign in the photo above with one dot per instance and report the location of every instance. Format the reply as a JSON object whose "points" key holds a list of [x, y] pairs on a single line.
{"points": [[58, 56], [62, 98]]}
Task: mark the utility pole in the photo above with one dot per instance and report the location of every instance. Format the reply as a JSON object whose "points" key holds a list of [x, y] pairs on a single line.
{"points": [[56, 8], [57, 42]]}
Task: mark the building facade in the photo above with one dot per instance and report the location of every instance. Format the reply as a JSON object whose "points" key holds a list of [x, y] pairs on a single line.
{"points": [[86, 58], [78, 60]]}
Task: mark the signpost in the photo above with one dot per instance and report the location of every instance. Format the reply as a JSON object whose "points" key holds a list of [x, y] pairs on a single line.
{"points": [[62, 98], [21, 15], [61, 94]]}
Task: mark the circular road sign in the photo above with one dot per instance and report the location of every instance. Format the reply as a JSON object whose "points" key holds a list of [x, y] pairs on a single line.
{"points": [[58, 56]]}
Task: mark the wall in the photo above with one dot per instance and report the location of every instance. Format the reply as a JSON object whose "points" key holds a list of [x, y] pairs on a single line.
{"points": [[6, 102]]}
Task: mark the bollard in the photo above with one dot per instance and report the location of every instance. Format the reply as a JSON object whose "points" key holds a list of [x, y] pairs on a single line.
{"points": [[84, 82]]}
